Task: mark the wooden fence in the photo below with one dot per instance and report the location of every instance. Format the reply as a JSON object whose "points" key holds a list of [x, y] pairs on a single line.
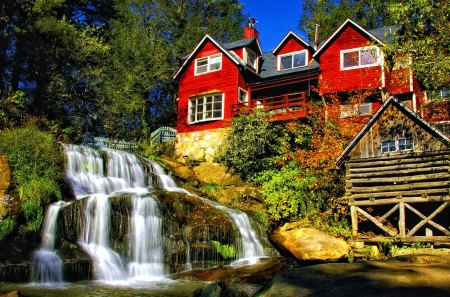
{"points": [[121, 145], [163, 134]]}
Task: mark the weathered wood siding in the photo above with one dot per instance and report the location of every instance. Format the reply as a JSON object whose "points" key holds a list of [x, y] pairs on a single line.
{"points": [[393, 123], [223, 81], [333, 79]]}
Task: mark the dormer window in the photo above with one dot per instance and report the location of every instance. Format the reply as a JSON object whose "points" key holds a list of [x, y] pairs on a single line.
{"points": [[208, 64], [251, 58], [292, 60], [360, 57]]}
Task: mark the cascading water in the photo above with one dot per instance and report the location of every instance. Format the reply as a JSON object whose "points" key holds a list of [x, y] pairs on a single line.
{"points": [[124, 173], [47, 266], [249, 248]]}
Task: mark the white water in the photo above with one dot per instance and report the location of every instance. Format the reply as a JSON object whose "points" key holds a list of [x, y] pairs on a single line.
{"points": [[250, 249], [124, 172], [47, 266]]}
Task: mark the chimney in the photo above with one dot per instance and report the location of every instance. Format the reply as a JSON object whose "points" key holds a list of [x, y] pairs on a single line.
{"points": [[316, 37], [250, 31]]}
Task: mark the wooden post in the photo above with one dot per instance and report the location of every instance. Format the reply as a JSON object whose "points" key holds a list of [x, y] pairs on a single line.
{"points": [[354, 216], [402, 219]]}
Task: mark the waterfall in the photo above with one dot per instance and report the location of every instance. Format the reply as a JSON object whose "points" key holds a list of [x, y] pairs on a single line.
{"points": [[47, 266], [249, 247], [145, 240]]}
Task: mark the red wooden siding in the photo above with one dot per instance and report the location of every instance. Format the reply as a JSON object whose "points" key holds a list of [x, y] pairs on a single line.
{"points": [[292, 45], [222, 81], [239, 52], [333, 79]]}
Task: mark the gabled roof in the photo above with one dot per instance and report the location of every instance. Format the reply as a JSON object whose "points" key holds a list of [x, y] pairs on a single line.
{"points": [[206, 39], [376, 37], [405, 110], [243, 43], [268, 67], [296, 37]]}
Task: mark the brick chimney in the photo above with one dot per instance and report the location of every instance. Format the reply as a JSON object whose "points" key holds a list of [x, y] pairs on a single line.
{"points": [[250, 30]]}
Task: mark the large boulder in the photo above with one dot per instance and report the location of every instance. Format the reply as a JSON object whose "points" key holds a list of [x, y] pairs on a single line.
{"points": [[216, 173], [308, 244]]}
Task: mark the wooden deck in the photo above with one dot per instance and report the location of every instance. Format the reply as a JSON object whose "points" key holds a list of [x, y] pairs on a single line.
{"points": [[284, 106]]}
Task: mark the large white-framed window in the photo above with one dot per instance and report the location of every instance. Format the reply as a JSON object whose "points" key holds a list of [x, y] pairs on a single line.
{"points": [[360, 57], [242, 96], [397, 145], [206, 107], [208, 64], [251, 58], [293, 60]]}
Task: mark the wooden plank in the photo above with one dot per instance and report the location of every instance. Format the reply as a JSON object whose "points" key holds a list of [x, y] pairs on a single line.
{"points": [[354, 216], [375, 221], [386, 215], [375, 173], [390, 162], [406, 155], [398, 200], [409, 193], [428, 219], [411, 239], [402, 179], [398, 167], [400, 187], [402, 219]]}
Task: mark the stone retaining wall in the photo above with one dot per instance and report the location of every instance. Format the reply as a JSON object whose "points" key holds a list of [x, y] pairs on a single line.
{"points": [[199, 146]]}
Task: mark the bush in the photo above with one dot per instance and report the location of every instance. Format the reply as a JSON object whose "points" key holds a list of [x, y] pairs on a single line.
{"points": [[6, 226], [225, 250], [37, 164]]}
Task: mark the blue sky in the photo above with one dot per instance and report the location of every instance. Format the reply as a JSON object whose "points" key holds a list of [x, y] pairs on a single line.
{"points": [[275, 19]]}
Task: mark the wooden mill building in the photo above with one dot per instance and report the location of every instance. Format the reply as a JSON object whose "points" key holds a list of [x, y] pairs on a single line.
{"points": [[397, 177]]}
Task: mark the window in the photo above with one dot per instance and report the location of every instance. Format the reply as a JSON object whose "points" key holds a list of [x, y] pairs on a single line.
{"points": [[208, 64], [439, 95], [205, 108], [292, 60], [404, 144], [360, 57], [362, 109], [242, 96], [251, 58]]}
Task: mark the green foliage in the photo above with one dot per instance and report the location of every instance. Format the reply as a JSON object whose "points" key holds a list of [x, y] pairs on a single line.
{"points": [[225, 250], [153, 152], [12, 107], [6, 226], [37, 167], [250, 145]]}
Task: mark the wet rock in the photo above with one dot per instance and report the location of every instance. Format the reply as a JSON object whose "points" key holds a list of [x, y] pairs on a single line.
{"points": [[225, 289], [216, 173], [12, 294], [182, 172], [308, 244]]}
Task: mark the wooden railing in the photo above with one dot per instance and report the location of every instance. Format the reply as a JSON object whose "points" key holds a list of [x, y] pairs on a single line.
{"points": [[288, 103], [163, 134], [121, 145]]}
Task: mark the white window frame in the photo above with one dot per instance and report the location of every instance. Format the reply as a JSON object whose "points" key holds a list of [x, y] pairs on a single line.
{"points": [[208, 64], [359, 50], [246, 58], [395, 143], [194, 103], [292, 54], [350, 110], [240, 90]]}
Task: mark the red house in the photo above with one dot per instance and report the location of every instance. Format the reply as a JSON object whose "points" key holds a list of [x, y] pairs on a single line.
{"points": [[219, 81]]}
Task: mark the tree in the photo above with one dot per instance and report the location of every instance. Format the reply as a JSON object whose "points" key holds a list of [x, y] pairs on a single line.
{"points": [[426, 39], [330, 14]]}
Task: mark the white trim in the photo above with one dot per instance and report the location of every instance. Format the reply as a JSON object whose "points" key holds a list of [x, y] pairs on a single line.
{"points": [[292, 54], [207, 37], [340, 28], [208, 65], [290, 33], [245, 51], [359, 49], [208, 119], [239, 93]]}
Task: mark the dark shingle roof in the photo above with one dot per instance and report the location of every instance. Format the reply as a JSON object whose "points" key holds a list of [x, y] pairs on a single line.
{"points": [[387, 33], [239, 43], [268, 67]]}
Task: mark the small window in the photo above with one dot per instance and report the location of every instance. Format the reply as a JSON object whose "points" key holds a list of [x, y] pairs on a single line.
{"points": [[208, 64], [205, 108], [360, 57], [439, 95], [242, 96], [292, 60], [403, 144], [251, 58]]}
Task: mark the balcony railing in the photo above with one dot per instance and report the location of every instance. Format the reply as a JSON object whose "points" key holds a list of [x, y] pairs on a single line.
{"points": [[293, 104]]}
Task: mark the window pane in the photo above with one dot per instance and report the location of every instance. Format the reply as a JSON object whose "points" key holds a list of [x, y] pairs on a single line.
{"points": [[217, 113], [299, 60], [351, 59], [368, 56], [286, 62], [216, 62]]}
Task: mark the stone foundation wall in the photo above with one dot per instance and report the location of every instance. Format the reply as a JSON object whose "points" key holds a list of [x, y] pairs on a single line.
{"points": [[199, 146]]}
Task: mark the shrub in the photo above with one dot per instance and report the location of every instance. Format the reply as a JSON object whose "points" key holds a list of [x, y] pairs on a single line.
{"points": [[6, 226], [225, 250], [37, 167]]}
